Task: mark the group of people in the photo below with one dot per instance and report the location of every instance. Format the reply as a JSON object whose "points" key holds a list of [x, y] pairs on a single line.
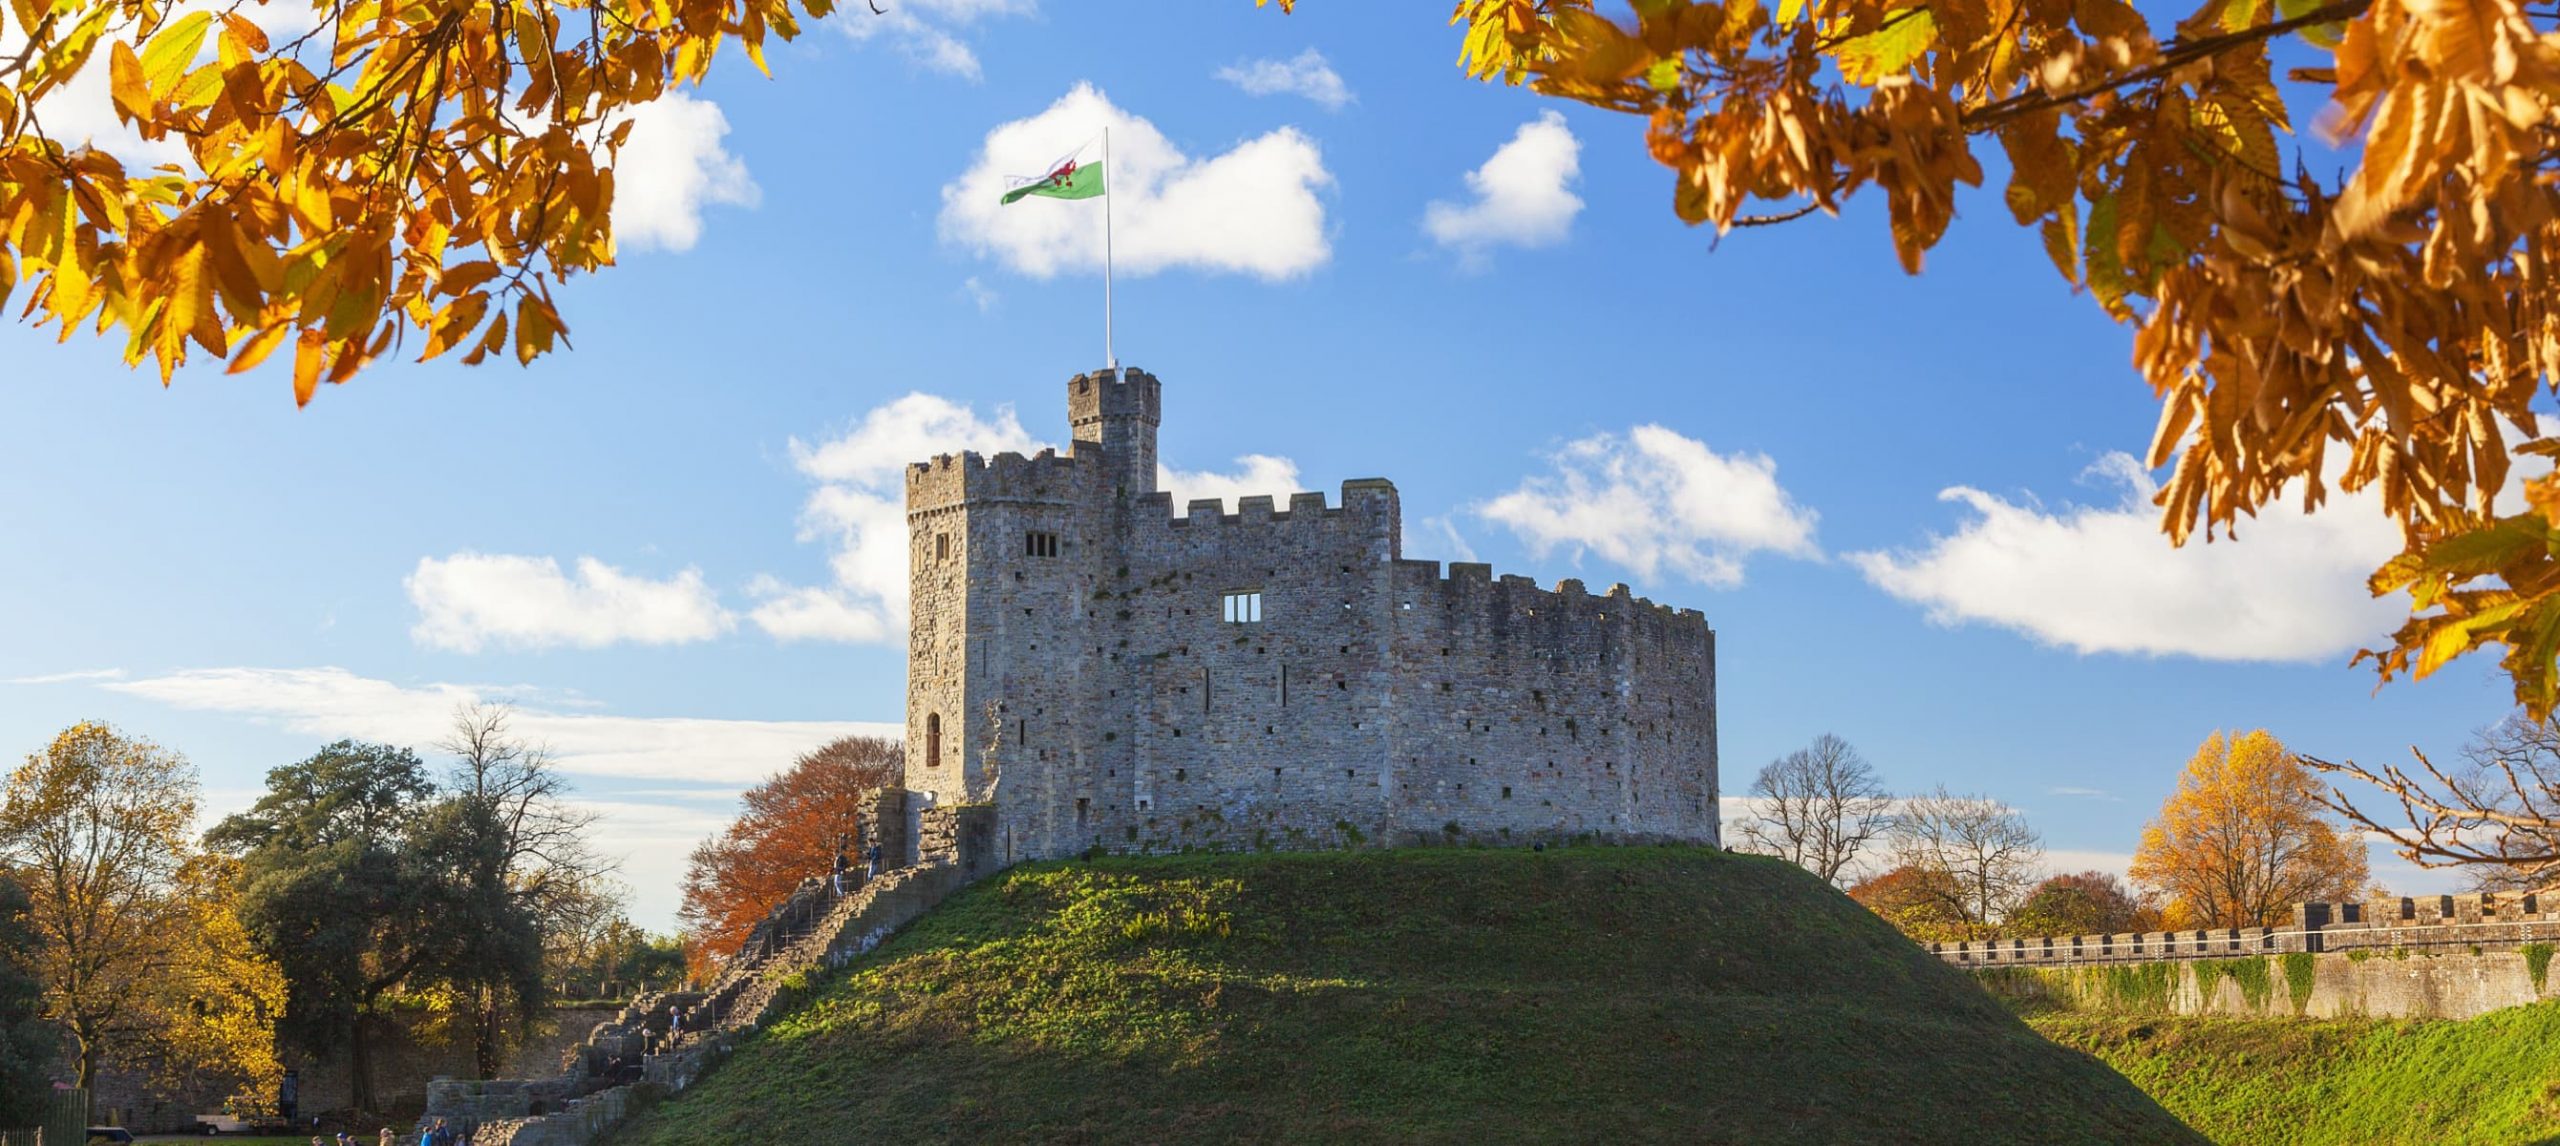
{"points": [[439, 1134]]}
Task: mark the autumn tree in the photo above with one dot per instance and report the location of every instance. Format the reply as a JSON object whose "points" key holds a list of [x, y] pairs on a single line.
{"points": [[2244, 838], [215, 1013], [1818, 807], [97, 827], [1982, 853], [786, 831], [2081, 903], [333, 888], [1923, 903], [2494, 812]]}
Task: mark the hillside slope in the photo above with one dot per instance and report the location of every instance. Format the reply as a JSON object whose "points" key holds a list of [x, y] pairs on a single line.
{"points": [[1638, 994], [2273, 1082]]}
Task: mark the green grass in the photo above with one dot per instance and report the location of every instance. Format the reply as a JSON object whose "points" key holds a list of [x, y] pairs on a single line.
{"points": [[2264, 1082], [1442, 995]]}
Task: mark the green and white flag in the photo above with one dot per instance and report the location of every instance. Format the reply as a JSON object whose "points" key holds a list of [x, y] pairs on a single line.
{"points": [[1068, 180]]}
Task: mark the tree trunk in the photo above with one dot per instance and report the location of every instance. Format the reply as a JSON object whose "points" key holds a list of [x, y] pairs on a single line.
{"points": [[360, 1066], [484, 1035]]}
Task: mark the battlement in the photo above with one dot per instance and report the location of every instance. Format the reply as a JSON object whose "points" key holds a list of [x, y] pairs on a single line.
{"points": [[1473, 587], [969, 476], [1124, 393], [2487, 920], [1358, 494]]}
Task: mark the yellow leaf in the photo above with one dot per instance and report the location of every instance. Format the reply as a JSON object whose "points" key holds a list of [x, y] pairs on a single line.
{"points": [[132, 92], [1890, 50], [310, 357], [256, 349], [171, 52]]}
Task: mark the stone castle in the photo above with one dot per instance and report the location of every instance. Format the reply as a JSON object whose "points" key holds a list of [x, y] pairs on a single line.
{"points": [[1087, 671], [1101, 673]]}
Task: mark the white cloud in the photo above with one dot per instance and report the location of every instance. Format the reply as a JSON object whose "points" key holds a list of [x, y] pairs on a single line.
{"points": [[2104, 580], [2071, 861], [2085, 794], [1652, 500], [330, 703], [1252, 209], [802, 613], [670, 168], [82, 676], [470, 601], [1521, 194], [928, 31], [860, 508], [1307, 74], [979, 294], [1257, 474]]}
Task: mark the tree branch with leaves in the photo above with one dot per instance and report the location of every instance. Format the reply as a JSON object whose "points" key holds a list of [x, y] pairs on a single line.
{"points": [[398, 172]]}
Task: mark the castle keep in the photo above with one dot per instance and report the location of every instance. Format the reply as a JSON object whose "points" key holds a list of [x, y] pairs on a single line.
{"points": [[1105, 672]]}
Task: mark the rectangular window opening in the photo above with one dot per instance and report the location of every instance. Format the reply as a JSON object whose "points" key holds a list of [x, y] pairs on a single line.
{"points": [[942, 547], [1038, 544], [1243, 607]]}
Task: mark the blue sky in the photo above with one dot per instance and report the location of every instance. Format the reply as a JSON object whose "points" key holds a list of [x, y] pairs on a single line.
{"points": [[1560, 378]]}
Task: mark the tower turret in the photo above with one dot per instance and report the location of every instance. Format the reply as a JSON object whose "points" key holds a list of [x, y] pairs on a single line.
{"points": [[1119, 409]]}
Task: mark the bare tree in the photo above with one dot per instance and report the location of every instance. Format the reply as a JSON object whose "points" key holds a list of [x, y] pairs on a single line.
{"points": [[1818, 807], [1983, 847], [2496, 814], [526, 866]]}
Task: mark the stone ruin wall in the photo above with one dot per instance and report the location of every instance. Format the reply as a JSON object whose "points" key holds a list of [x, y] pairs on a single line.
{"points": [[1097, 696]]}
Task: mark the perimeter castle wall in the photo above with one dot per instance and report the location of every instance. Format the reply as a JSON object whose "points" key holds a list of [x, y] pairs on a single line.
{"points": [[1112, 675]]}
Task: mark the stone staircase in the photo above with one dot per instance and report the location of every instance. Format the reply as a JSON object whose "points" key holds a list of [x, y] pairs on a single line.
{"points": [[812, 930]]}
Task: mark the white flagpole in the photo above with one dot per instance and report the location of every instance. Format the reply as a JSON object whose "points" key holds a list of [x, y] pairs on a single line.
{"points": [[1108, 353]]}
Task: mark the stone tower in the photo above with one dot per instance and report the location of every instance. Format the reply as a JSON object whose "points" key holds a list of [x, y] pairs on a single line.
{"points": [[1119, 410]]}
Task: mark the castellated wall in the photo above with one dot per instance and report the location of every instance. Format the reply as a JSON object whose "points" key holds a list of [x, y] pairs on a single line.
{"points": [[1074, 662]]}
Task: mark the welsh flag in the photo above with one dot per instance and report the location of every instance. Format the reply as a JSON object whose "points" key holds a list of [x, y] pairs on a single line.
{"points": [[1068, 180]]}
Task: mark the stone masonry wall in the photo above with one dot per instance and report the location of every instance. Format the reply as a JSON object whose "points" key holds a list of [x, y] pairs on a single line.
{"points": [[2453, 983], [1074, 663]]}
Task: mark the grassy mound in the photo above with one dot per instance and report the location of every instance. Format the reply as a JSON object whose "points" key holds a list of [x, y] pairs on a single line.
{"points": [[1669, 994], [2248, 1082]]}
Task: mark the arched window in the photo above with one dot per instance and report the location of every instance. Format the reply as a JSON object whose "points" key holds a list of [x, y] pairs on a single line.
{"points": [[933, 740]]}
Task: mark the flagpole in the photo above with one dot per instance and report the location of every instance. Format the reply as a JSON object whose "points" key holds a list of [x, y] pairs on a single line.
{"points": [[1108, 353]]}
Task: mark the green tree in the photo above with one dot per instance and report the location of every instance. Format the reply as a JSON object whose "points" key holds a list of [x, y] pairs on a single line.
{"points": [[29, 1046], [334, 890], [97, 826], [2085, 903]]}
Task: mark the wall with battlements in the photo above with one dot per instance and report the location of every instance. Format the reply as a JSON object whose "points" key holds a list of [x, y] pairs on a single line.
{"points": [[1112, 673], [2437, 956], [2489, 920]]}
